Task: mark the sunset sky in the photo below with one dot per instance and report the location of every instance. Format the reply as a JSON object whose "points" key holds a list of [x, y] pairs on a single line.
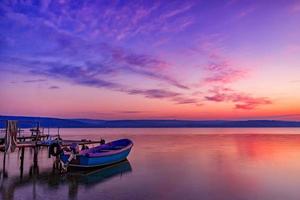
{"points": [[199, 60]]}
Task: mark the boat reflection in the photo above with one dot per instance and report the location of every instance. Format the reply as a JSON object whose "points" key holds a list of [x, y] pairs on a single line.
{"points": [[54, 180], [90, 177]]}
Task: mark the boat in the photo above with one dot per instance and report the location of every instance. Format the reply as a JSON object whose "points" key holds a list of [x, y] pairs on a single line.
{"points": [[100, 156]]}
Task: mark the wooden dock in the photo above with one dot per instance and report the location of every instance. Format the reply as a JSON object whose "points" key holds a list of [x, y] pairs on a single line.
{"points": [[36, 140]]}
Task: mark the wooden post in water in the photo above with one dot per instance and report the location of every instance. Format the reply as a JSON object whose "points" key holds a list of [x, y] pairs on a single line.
{"points": [[37, 132], [22, 162], [19, 131], [5, 149], [4, 170], [35, 156], [35, 148]]}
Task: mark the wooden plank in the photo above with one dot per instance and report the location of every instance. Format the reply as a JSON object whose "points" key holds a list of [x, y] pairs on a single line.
{"points": [[40, 143], [28, 137], [67, 143]]}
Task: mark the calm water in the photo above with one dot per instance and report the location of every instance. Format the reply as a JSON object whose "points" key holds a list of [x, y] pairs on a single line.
{"points": [[175, 164]]}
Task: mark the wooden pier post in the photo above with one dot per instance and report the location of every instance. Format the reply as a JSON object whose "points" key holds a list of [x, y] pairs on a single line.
{"points": [[48, 135], [4, 170], [35, 156], [35, 148], [22, 162], [5, 149]]}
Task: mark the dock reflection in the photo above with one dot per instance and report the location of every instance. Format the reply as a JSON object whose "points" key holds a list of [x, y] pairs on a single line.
{"points": [[53, 180]]}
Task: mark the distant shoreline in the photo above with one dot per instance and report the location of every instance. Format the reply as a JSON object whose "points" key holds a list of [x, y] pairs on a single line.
{"points": [[27, 122]]}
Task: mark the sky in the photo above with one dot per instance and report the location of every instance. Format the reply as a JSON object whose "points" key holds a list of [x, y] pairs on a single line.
{"points": [[198, 60]]}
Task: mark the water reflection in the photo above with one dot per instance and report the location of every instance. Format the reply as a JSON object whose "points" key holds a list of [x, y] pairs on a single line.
{"points": [[187, 164], [73, 180]]}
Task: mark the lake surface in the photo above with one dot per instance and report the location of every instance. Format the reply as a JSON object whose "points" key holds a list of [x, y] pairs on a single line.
{"points": [[175, 163]]}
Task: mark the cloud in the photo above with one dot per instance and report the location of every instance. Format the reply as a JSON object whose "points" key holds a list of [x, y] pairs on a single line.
{"points": [[92, 76], [77, 42], [295, 81], [295, 8], [90, 57], [144, 65], [159, 76], [139, 60], [241, 100], [113, 19], [131, 111], [53, 87], [245, 12], [176, 11], [94, 44], [35, 80], [182, 100], [90, 73], [102, 58], [218, 68], [176, 97], [75, 74], [248, 102], [155, 93], [222, 72]]}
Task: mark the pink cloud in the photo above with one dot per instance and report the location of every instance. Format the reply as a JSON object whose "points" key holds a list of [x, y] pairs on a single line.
{"points": [[248, 102], [241, 100], [220, 68], [223, 73]]}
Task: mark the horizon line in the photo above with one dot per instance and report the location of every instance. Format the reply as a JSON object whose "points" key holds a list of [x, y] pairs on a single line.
{"points": [[148, 119]]}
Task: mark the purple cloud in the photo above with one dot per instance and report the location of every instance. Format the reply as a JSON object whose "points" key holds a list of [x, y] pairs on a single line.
{"points": [[139, 60], [155, 93], [245, 12], [295, 8], [53, 87], [114, 44], [35, 80], [165, 94], [76, 74], [117, 61], [69, 28], [184, 100], [92, 76]]}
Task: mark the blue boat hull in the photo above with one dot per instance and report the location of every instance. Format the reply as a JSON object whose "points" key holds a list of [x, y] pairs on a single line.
{"points": [[91, 160]]}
